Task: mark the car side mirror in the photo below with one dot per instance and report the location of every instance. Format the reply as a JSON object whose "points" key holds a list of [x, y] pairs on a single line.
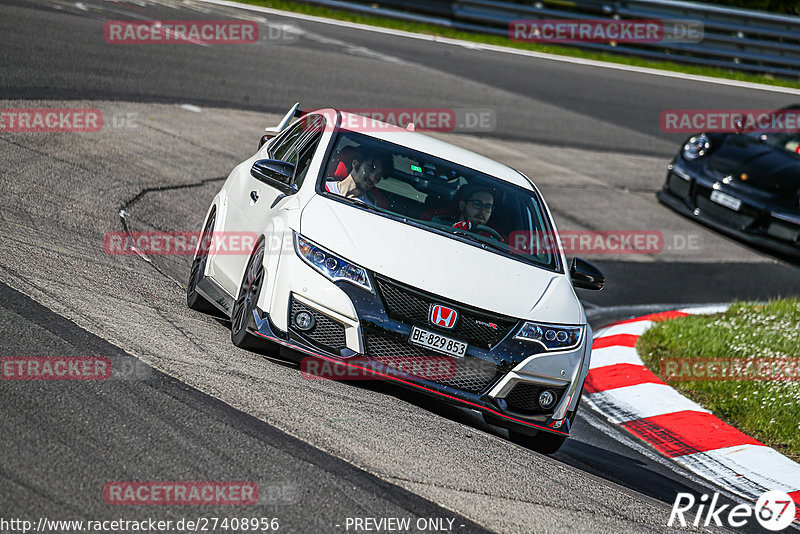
{"points": [[585, 275], [276, 173]]}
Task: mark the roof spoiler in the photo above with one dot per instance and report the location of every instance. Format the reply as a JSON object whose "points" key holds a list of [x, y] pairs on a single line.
{"points": [[294, 113]]}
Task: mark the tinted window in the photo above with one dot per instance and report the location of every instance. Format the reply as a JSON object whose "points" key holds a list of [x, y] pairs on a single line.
{"points": [[442, 196], [298, 145]]}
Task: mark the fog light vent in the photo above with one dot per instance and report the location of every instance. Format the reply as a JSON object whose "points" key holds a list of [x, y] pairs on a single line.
{"points": [[547, 398], [303, 321]]}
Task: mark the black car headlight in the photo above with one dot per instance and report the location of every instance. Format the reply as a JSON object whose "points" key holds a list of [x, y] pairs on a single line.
{"points": [[696, 147], [551, 336], [329, 264]]}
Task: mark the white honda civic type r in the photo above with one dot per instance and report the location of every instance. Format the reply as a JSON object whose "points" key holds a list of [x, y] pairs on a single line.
{"points": [[382, 250]]}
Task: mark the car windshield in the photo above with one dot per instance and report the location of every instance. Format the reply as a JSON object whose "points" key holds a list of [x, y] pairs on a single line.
{"points": [[781, 130], [442, 196]]}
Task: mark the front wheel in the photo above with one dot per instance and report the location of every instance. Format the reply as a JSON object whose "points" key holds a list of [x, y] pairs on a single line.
{"points": [[246, 301], [195, 300], [543, 442]]}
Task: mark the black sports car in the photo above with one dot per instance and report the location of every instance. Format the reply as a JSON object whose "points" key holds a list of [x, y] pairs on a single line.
{"points": [[745, 184]]}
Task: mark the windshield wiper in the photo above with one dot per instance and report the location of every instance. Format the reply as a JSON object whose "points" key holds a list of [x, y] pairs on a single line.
{"points": [[472, 237]]}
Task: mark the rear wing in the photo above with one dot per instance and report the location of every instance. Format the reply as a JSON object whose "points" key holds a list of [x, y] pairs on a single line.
{"points": [[294, 113], [272, 131]]}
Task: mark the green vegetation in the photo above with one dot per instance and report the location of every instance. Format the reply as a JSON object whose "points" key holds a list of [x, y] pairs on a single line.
{"points": [[768, 410], [497, 40]]}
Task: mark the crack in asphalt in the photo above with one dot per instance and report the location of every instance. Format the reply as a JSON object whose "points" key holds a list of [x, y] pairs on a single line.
{"points": [[123, 214]]}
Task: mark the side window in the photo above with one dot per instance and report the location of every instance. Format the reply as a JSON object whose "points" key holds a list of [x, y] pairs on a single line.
{"points": [[304, 159], [285, 142], [299, 144]]}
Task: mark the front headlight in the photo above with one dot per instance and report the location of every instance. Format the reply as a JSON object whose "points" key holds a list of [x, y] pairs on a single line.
{"points": [[696, 147], [551, 336], [329, 264]]}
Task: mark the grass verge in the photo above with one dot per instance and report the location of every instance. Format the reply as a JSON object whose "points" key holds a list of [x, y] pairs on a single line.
{"points": [[768, 410], [431, 29]]}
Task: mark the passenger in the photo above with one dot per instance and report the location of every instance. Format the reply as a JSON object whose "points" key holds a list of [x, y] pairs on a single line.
{"points": [[366, 170]]}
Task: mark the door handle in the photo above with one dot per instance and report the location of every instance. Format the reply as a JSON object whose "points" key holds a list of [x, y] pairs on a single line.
{"points": [[254, 196]]}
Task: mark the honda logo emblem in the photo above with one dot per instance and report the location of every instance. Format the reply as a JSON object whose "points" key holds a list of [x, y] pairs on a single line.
{"points": [[442, 316]]}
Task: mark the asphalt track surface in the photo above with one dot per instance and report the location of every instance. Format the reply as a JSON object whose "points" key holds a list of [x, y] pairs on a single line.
{"points": [[199, 409]]}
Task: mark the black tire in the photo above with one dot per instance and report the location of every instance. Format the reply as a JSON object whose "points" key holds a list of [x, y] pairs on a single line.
{"points": [[247, 299], [195, 300], [545, 442]]}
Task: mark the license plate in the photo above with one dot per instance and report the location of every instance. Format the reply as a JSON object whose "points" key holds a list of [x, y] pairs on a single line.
{"points": [[726, 200], [437, 342]]}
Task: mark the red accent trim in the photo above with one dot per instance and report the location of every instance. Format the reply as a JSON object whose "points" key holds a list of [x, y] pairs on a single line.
{"points": [[618, 375], [389, 377], [618, 340], [795, 495], [687, 432], [656, 317]]}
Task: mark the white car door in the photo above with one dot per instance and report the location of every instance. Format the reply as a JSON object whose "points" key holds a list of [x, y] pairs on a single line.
{"points": [[252, 203]]}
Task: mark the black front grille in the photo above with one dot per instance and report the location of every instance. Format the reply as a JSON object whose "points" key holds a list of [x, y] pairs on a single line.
{"points": [[524, 398], [468, 374], [326, 331], [737, 219], [412, 306], [678, 185]]}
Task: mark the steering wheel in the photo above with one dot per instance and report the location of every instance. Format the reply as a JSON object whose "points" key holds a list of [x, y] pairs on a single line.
{"points": [[489, 230]]}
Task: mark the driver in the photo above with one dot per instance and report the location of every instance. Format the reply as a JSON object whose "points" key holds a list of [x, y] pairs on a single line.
{"points": [[476, 208]]}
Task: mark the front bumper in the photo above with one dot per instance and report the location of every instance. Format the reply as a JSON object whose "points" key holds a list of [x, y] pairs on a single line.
{"points": [[687, 191], [497, 379]]}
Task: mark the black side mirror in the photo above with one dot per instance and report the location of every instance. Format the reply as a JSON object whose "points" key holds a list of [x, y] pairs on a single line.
{"points": [[585, 275], [276, 173]]}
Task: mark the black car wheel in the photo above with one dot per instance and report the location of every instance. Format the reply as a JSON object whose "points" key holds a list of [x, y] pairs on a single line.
{"points": [[247, 298], [544, 442], [194, 300]]}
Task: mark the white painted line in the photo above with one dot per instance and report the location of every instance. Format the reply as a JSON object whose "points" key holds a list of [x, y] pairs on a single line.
{"points": [[636, 328], [614, 355], [642, 400], [755, 466], [505, 50], [191, 107], [705, 310]]}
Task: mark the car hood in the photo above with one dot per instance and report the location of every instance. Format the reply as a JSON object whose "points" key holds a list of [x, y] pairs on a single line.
{"points": [[769, 169], [436, 264]]}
